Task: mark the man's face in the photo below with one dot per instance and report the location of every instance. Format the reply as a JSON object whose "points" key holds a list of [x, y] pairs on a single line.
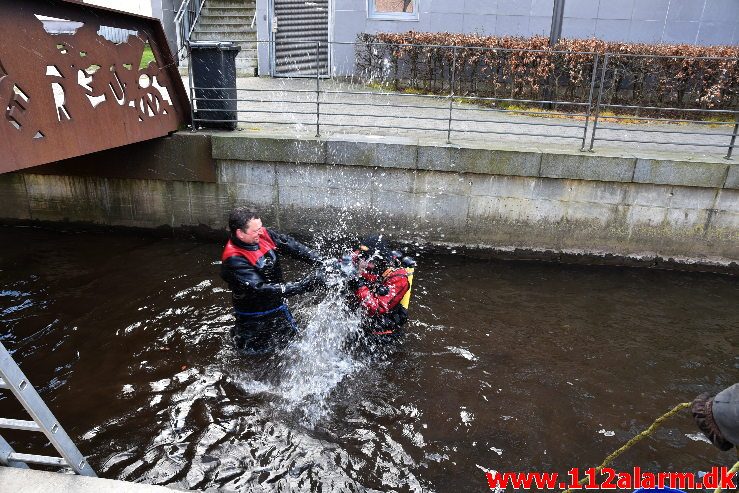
{"points": [[362, 265], [250, 233], [365, 262]]}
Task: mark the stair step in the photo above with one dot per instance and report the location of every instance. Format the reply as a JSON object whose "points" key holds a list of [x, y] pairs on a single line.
{"points": [[225, 28], [227, 12], [230, 4], [240, 20], [243, 3], [223, 36], [226, 8]]}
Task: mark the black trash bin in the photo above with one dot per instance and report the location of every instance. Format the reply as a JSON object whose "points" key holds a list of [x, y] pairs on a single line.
{"points": [[214, 80]]}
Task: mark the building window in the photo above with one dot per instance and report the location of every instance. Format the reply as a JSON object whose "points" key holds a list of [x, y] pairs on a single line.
{"points": [[394, 10]]}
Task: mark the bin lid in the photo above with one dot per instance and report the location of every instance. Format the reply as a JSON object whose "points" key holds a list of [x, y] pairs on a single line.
{"points": [[220, 45]]}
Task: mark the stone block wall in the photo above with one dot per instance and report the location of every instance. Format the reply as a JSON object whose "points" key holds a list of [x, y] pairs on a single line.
{"points": [[582, 202], [560, 201]]}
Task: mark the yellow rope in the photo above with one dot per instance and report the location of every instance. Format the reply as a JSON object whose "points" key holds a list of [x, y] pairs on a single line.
{"points": [[731, 471], [637, 438]]}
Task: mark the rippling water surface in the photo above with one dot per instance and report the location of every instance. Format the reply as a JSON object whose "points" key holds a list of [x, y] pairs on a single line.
{"points": [[507, 366]]}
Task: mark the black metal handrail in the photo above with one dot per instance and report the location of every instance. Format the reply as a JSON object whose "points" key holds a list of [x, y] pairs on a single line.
{"points": [[471, 109], [185, 19]]}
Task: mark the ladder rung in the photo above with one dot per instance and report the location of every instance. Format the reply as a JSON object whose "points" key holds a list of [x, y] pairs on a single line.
{"points": [[42, 460], [4, 384], [19, 424], [12, 377]]}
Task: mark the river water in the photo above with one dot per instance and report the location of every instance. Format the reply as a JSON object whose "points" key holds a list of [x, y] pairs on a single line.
{"points": [[507, 366]]}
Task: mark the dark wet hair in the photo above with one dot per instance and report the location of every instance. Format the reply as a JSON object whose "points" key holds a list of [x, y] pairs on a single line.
{"points": [[240, 217], [377, 250], [375, 246]]}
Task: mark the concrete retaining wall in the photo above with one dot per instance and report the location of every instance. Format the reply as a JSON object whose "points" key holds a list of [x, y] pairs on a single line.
{"points": [[505, 198]]}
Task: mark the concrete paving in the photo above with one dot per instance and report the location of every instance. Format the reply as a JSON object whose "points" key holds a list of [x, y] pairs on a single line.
{"points": [[289, 106], [32, 481]]}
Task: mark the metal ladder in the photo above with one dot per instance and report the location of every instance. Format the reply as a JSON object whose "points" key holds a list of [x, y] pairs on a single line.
{"points": [[12, 378]]}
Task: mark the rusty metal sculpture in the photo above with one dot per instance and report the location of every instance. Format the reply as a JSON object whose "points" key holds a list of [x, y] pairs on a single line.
{"points": [[72, 81]]}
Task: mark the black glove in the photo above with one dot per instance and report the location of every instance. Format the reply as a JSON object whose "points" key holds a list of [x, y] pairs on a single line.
{"points": [[703, 417], [313, 281], [355, 283]]}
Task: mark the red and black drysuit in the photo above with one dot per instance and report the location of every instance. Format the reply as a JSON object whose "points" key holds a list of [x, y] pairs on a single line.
{"points": [[254, 274], [379, 298]]}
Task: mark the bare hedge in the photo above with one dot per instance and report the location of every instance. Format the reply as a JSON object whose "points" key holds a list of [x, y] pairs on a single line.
{"points": [[679, 76]]}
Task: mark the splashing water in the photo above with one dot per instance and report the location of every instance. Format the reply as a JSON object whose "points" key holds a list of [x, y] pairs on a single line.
{"points": [[320, 358], [329, 349], [302, 377]]}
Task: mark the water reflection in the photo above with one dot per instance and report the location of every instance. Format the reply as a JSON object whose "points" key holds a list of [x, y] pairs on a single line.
{"points": [[507, 366]]}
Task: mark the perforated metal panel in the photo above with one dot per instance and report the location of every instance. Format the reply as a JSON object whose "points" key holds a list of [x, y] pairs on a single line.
{"points": [[300, 35]]}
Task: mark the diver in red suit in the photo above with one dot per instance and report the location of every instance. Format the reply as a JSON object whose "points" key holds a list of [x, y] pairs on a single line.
{"points": [[379, 291]]}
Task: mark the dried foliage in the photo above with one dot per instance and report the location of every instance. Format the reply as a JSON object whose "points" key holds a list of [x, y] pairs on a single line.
{"points": [[677, 76]]}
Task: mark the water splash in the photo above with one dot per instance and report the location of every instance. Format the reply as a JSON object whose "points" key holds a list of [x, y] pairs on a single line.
{"points": [[316, 363]]}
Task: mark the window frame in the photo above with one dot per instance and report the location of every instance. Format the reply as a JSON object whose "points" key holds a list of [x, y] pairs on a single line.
{"points": [[372, 14]]}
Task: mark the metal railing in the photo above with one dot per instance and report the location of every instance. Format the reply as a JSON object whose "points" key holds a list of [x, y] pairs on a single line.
{"points": [[352, 101], [600, 106], [185, 20]]}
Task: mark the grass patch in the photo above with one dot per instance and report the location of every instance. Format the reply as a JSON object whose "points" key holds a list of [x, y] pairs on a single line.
{"points": [[147, 57], [717, 121], [412, 90]]}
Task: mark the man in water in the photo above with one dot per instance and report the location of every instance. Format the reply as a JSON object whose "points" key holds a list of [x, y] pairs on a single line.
{"points": [[251, 267]]}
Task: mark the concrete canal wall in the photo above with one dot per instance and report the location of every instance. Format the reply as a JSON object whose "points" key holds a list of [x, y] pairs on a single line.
{"points": [[669, 206]]}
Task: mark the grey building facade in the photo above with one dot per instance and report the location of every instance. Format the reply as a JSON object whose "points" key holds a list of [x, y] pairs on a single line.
{"points": [[701, 22]]}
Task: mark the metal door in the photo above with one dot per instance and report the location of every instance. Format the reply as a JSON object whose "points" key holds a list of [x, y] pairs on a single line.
{"points": [[299, 35]]}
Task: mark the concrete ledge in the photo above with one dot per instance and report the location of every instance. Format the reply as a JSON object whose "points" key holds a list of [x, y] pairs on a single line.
{"points": [[496, 162], [587, 167], [687, 174], [732, 178], [391, 152], [500, 196], [32, 481], [268, 148], [434, 158], [668, 168]]}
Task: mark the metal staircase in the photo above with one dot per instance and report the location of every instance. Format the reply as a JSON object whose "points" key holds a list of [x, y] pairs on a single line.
{"points": [[225, 20], [13, 379]]}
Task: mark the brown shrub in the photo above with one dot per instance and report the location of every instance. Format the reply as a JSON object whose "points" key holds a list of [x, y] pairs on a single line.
{"points": [[659, 75]]}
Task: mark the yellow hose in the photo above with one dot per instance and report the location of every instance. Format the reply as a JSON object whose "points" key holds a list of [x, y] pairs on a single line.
{"points": [[635, 439]]}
